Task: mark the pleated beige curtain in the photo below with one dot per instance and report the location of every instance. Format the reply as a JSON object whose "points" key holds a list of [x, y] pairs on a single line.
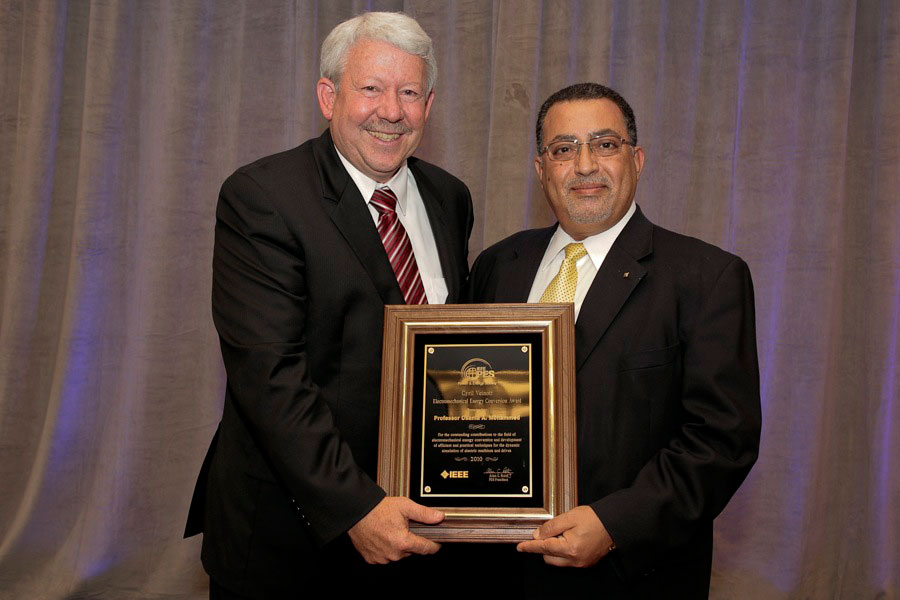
{"points": [[771, 129]]}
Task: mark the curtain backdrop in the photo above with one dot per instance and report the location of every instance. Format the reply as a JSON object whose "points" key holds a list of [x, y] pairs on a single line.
{"points": [[771, 127]]}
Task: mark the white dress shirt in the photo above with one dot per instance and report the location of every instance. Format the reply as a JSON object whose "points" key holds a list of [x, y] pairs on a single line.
{"points": [[411, 212], [597, 247]]}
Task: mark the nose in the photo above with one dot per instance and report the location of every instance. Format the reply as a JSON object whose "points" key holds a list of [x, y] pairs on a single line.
{"points": [[390, 108], [585, 161]]}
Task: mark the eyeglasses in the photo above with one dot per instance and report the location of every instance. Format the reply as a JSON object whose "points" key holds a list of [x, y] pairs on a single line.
{"points": [[603, 145]]}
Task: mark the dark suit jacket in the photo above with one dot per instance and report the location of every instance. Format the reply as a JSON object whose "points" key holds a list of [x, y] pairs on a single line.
{"points": [[667, 398], [300, 280]]}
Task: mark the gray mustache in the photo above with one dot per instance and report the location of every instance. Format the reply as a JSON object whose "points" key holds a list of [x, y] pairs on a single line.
{"points": [[588, 180], [388, 127]]}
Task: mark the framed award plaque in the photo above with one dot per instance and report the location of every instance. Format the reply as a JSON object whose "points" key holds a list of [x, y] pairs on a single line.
{"points": [[478, 416]]}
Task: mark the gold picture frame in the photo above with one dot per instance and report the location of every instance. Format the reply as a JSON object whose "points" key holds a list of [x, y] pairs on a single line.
{"points": [[493, 447]]}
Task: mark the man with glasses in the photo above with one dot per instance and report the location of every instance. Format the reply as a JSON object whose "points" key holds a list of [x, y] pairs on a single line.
{"points": [[666, 369]]}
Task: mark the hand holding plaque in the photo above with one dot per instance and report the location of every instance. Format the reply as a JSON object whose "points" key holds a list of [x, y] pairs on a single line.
{"points": [[383, 535], [576, 538]]}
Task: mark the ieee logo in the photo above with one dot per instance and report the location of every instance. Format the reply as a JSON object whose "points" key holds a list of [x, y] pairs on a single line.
{"points": [[455, 474]]}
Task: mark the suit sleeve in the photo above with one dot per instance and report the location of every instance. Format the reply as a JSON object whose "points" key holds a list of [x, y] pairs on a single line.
{"points": [[259, 307], [691, 479]]}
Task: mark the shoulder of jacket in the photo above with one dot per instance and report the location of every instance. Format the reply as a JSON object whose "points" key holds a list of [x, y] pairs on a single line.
{"points": [[432, 171], [685, 247], [286, 162], [522, 239]]}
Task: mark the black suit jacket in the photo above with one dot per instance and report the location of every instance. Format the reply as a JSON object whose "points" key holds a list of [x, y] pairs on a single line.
{"points": [[300, 280], [667, 398]]}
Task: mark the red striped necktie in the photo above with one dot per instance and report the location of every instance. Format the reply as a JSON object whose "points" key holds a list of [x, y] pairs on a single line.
{"points": [[398, 248]]}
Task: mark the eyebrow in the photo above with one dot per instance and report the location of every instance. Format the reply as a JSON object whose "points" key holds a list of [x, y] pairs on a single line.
{"points": [[568, 137]]}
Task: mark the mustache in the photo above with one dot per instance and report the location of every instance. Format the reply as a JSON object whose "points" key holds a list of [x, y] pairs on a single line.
{"points": [[387, 126], [593, 180]]}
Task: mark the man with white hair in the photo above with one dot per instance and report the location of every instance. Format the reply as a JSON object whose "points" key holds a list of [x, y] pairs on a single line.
{"points": [[310, 245]]}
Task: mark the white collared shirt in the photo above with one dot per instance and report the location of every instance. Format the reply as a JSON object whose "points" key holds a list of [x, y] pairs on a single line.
{"points": [[411, 212], [597, 247]]}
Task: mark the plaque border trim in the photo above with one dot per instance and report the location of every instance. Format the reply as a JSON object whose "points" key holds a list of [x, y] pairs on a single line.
{"points": [[556, 325]]}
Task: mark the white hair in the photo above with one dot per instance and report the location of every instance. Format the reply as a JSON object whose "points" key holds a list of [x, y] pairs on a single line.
{"points": [[397, 29]]}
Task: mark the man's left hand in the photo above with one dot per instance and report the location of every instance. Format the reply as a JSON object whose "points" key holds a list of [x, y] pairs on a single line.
{"points": [[576, 538]]}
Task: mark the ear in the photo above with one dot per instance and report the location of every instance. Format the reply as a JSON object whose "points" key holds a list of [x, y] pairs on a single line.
{"points": [[428, 103], [638, 160], [539, 169], [326, 92]]}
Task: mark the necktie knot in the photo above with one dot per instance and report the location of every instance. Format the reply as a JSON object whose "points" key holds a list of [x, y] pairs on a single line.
{"points": [[562, 288], [575, 251], [384, 201]]}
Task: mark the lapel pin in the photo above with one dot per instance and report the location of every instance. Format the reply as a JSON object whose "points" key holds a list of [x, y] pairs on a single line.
{"points": [[626, 274]]}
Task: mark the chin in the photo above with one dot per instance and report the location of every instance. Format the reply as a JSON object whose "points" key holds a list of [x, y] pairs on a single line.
{"points": [[590, 217], [380, 165], [388, 160]]}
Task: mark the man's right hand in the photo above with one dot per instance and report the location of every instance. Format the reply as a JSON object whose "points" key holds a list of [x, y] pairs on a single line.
{"points": [[383, 535]]}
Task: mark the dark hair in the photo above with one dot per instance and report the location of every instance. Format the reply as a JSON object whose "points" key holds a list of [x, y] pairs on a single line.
{"points": [[585, 91]]}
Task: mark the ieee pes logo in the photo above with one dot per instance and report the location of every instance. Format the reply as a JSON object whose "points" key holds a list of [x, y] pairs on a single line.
{"points": [[477, 371], [455, 474]]}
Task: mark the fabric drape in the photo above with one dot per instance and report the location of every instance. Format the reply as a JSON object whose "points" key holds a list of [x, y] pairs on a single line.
{"points": [[771, 129]]}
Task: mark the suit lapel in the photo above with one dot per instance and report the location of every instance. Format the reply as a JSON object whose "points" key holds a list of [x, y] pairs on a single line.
{"points": [[617, 278], [520, 265], [443, 234], [347, 209]]}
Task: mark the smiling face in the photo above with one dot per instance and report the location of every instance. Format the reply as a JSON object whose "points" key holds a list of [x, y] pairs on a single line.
{"points": [[588, 194], [378, 111]]}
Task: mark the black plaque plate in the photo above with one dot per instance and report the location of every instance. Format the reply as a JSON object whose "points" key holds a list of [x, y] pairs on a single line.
{"points": [[477, 420]]}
